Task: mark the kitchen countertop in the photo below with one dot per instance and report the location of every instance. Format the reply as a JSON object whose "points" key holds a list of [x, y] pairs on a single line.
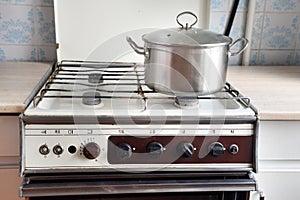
{"points": [[273, 90], [17, 81]]}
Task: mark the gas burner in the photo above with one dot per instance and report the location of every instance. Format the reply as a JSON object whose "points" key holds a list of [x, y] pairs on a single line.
{"points": [[186, 102], [95, 78], [91, 98]]}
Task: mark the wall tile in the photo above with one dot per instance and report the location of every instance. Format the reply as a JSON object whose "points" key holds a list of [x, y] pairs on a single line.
{"points": [[260, 5], [18, 53], [297, 58], [298, 39], [2, 55], [28, 2], [218, 21], [279, 31], [238, 26], [283, 5], [16, 24], [256, 31], [44, 2], [243, 5], [45, 25], [27, 25], [46, 53], [219, 5], [276, 58], [253, 58]]}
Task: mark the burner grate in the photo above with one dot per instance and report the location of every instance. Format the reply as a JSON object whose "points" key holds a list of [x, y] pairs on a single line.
{"points": [[71, 73]]}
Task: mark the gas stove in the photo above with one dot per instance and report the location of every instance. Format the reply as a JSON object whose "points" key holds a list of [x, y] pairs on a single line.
{"points": [[100, 117]]}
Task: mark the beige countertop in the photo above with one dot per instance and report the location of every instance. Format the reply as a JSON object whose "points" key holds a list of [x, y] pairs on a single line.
{"points": [[17, 81], [273, 90]]}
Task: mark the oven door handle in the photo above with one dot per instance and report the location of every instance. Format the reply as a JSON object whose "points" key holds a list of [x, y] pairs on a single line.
{"points": [[111, 187]]}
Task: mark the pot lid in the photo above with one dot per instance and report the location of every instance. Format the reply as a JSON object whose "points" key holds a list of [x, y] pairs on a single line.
{"points": [[186, 35]]}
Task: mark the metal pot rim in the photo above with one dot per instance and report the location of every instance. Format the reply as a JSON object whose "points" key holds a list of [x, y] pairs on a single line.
{"points": [[208, 45], [188, 38]]}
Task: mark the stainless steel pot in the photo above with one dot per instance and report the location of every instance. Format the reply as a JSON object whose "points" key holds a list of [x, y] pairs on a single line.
{"points": [[186, 61]]}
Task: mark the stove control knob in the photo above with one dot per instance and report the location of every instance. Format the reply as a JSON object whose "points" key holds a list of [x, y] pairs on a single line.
{"points": [[234, 149], [91, 150], [44, 149], [124, 151], [155, 149], [185, 149], [57, 149], [217, 149]]}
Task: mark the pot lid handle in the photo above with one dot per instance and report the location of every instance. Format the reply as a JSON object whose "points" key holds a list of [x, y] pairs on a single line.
{"points": [[186, 27]]}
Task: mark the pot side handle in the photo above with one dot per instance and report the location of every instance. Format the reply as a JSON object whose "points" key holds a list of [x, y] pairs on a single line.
{"points": [[238, 52], [135, 47]]}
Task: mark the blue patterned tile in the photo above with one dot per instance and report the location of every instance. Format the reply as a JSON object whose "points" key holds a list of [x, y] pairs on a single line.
{"points": [[238, 26], [243, 5], [256, 31], [260, 5], [18, 53], [28, 2], [44, 2], [16, 24], [218, 21], [46, 25], [283, 5], [279, 31], [253, 58], [297, 58], [298, 39], [219, 5], [47, 53], [2, 55], [276, 58]]}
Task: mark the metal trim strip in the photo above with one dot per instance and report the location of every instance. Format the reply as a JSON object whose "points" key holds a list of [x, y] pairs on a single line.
{"points": [[136, 120]]}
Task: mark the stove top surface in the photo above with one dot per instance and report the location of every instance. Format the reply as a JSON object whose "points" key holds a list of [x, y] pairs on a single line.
{"points": [[118, 89]]}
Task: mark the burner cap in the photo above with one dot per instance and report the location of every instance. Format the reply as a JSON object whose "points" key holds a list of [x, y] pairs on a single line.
{"points": [[91, 98], [95, 78], [186, 101]]}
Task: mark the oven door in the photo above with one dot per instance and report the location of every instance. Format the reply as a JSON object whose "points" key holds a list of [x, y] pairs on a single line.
{"points": [[148, 186]]}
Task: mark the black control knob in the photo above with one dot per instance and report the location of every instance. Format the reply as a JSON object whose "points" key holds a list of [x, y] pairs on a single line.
{"points": [[155, 149], [124, 151], [217, 149], [185, 149], [91, 150]]}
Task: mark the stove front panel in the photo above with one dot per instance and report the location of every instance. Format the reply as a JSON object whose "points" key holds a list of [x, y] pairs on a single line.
{"points": [[179, 150], [108, 147]]}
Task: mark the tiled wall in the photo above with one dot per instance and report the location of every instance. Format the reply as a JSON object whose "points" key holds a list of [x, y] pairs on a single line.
{"points": [[27, 30], [219, 13], [276, 31]]}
